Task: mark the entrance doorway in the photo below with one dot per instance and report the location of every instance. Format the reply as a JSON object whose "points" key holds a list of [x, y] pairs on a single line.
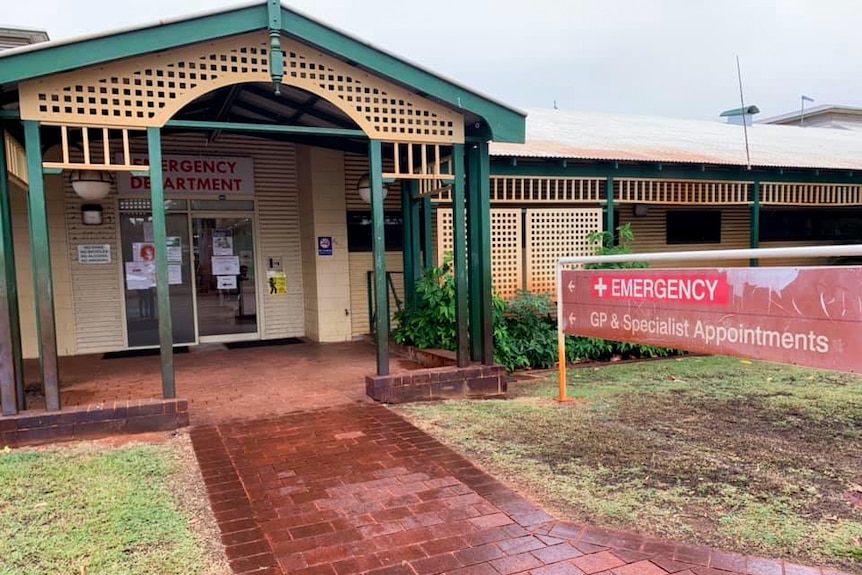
{"points": [[225, 276]]}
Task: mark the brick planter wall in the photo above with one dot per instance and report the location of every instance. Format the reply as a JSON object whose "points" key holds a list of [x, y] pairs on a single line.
{"points": [[131, 416], [475, 381]]}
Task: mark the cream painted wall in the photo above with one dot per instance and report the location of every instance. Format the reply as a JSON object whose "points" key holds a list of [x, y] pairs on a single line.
{"points": [[323, 214]]}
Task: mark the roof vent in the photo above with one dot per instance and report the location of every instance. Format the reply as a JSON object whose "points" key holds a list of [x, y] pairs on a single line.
{"points": [[739, 116], [17, 37]]}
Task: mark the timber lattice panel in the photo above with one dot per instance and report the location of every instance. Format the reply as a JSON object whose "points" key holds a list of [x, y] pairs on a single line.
{"points": [[790, 194], [146, 91], [506, 189], [507, 253], [649, 191], [556, 233]]}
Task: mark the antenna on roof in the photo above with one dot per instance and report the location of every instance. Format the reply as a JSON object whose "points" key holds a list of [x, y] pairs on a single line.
{"points": [[744, 124], [555, 105]]}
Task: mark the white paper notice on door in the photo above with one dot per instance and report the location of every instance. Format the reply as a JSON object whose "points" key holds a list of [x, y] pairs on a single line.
{"points": [[140, 275], [226, 282], [175, 274], [225, 265], [175, 249]]}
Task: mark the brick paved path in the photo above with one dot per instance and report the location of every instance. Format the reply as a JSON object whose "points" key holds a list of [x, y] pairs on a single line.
{"points": [[356, 489]]}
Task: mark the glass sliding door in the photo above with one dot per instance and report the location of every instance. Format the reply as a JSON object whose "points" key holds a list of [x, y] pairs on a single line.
{"points": [[225, 276], [139, 276]]}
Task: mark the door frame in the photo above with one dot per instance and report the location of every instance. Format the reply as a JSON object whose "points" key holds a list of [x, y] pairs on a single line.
{"points": [[226, 214]]}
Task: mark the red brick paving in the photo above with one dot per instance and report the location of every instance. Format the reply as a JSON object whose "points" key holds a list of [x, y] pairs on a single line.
{"points": [[222, 384], [355, 489]]}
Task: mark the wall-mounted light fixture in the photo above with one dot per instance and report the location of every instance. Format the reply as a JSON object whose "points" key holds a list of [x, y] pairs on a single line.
{"points": [[363, 188], [640, 210], [91, 185], [91, 214]]}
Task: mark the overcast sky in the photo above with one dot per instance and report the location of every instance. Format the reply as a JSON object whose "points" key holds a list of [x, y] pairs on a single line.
{"points": [[656, 57]]}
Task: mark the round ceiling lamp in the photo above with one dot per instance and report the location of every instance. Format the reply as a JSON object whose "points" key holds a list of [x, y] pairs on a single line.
{"points": [[91, 185], [363, 188]]}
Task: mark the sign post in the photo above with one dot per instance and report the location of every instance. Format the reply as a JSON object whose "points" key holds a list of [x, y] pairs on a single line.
{"points": [[803, 316]]}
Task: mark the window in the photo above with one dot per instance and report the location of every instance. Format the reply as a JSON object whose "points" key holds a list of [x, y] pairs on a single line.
{"points": [[818, 224], [693, 227], [359, 231]]}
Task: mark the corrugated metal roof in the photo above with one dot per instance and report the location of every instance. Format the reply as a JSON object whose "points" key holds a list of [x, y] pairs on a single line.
{"points": [[595, 136]]}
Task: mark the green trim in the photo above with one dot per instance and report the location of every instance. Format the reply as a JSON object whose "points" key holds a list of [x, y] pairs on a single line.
{"points": [[407, 241], [427, 236], [609, 209], [95, 51], [272, 128], [10, 114], [381, 329], [415, 238], [601, 169], [755, 220], [506, 125], [46, 329], [11, 383], [459, 246], [276, 56], [160, 233], [474, 251]]}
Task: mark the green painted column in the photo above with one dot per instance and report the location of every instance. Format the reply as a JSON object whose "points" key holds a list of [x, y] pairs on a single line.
{"points": [[474, 254], [609, 209], [10, 332], [459, 246], [755, 220], [381, 295], [407, 225], [160, 232], [428, 224], [483, 179], [415, 235], [46, 329]]}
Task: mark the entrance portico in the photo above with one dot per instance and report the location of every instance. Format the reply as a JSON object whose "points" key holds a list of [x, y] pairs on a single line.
{"points": [[260, 82]]}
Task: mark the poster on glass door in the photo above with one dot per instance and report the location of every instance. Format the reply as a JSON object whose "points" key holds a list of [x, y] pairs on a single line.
{"points": [[222, 243]]}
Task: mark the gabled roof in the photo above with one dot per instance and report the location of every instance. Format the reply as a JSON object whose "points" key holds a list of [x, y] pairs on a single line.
{"points": [[814, 111], [594, 136], [18, 64]]}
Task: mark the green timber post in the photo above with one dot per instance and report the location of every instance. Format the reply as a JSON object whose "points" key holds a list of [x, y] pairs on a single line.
{"points": [[160, 232], [46, 328], [10, 332], [755, 220], [407, 225], [609, 209], [474, 251], [415, 237], [381, 295], [459, 246], [483, 177], [428, 222], [481, 287]]}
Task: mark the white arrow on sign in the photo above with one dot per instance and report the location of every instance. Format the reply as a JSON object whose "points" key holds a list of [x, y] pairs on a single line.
{"points": [[572, 318], [571, 286]]}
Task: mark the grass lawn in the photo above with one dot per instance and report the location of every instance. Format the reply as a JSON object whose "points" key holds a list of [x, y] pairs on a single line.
{"points": [[88, 509], [751, 457]]}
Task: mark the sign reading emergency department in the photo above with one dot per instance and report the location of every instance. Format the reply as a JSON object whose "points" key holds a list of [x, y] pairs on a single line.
{"points": [[803, 316], [194, 175]]}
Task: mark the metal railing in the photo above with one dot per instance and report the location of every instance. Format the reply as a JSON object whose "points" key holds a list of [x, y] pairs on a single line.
{"points": [[392, 292]]}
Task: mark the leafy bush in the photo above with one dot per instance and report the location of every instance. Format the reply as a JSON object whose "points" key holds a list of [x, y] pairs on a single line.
{"points": [[525, 333], [525, 329], [428, 322]]}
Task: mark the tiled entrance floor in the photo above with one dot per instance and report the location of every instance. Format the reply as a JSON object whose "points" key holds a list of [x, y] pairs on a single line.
{"points": [[222, 384], [356, 489]]}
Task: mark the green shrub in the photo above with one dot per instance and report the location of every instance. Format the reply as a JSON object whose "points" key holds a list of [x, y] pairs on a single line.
{"points": [[525, 329]]}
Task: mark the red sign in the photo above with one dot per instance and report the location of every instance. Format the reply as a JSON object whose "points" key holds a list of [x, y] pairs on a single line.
{"points": [[803, 316], [194, 175]]}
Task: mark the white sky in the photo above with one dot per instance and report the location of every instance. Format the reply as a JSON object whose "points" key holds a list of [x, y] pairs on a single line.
{"points": [[657, 57]]}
